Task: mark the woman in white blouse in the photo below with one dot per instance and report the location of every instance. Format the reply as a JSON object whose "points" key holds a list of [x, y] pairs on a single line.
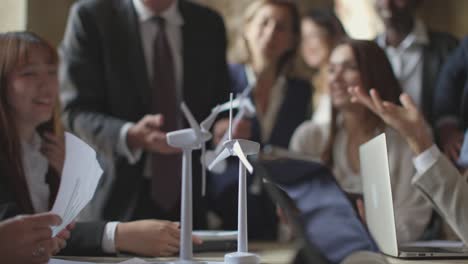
{"points": [[363, 63], [32, 155]]}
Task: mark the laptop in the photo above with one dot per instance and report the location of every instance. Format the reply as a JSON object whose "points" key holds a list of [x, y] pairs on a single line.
{"points": [[322, 217], [308, 252], [378, 204]]}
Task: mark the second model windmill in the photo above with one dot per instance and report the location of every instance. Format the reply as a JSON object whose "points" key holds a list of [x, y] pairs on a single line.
{"points": [[246, 109], [188, 140], [240, 148]]}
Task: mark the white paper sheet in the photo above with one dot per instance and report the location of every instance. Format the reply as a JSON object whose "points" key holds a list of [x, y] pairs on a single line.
{"points": [[80, 177], [130, 261], [61, 261]]}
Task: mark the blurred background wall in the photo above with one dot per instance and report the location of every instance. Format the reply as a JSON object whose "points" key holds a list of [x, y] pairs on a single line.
{"points": [[48, 17], [12, 15]]}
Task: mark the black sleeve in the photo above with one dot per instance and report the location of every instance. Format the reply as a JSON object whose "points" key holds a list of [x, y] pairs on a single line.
{"points": [[85, 240]]}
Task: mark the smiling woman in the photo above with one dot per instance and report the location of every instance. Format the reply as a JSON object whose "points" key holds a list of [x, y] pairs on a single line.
{"points": [[32, 93], [32, 154], [28, 101], [363, 63]]}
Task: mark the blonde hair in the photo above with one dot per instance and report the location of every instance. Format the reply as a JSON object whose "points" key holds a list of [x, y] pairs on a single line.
{"points": [[242, 47]]}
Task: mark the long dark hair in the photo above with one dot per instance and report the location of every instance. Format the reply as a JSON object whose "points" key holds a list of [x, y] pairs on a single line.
{"points": [[376, 73], [15, 49], [327, 20]]}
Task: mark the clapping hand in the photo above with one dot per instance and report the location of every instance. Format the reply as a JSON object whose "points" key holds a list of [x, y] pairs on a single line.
{"points": [[147, 135], [406, 119]]}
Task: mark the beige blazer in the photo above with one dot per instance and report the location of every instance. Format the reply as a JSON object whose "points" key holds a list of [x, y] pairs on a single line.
{"points": [[447, 190]]}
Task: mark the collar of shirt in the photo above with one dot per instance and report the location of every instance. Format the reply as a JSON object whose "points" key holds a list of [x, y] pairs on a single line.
{"points": [[418, 36], [171, 15], [268, 120], [34, 145], [35, 168], [252, 78]]}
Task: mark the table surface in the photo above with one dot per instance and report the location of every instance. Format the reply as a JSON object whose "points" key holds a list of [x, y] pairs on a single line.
{"points": [[270, 253]]}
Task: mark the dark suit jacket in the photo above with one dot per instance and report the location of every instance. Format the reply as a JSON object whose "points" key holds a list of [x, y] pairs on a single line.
{"points": [[435, 54], [104, 71], [85, 239], [294, 110], [451, 95]]}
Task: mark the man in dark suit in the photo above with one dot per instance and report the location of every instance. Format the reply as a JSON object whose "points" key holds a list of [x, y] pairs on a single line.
{"points": [[126, 66], [415, 52]]}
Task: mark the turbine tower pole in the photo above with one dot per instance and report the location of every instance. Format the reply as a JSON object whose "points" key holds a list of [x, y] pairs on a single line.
{"points": [[186, 251]]}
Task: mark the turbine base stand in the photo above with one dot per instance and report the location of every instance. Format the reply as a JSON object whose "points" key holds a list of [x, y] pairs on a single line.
{"points": [[181, 261], [241, 258]]}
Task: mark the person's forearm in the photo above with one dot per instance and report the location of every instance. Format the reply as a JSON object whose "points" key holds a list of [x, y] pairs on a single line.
{"points": [[419, 144], [418, 135]]}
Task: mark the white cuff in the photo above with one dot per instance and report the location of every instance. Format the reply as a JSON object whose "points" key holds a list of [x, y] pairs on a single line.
{"points": [[108, 238], [123, 148], [426, 159]]}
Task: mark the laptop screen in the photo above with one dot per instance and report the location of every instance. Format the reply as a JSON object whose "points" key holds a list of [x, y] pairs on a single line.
{"points": [[378, 202]]}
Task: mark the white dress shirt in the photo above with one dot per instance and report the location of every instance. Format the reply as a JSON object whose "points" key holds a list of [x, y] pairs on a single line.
{"points": [[323, 112], [148, 32], [426, 159], [407, 60], [277, 95], [35, 169], [35, 166]]}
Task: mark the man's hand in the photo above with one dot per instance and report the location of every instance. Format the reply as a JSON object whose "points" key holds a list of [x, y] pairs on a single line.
{"points": [[406, 119], [147, 135], [241, 130], [149, 238]]}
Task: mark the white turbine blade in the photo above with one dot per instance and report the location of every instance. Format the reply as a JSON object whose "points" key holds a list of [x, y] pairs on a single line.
{"points": [[202, 160], [222, 156], [248, 107], [225, 137], [249, 147], [226, 106], [240, 153], [208, 122], [236, 102], [246, 91], [193, 123]]}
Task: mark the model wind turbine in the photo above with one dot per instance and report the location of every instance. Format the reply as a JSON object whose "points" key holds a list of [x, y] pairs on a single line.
{"points": [[246, 109], [188, 140], [240, 148]]}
